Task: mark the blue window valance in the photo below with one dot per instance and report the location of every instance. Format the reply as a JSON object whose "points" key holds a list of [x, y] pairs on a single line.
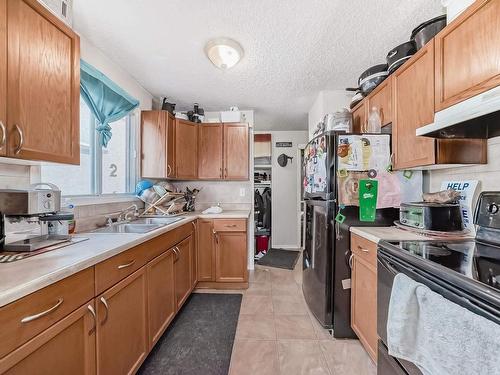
{"points": [[107, 101]]}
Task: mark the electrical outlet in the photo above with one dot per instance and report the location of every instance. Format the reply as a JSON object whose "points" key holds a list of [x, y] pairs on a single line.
{"points": [[242, 192]]}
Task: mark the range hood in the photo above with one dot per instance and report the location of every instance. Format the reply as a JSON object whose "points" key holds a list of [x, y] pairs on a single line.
{"points": [[477, 117]]}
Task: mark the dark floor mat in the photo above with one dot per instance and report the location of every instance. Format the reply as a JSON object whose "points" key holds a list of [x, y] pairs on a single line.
{"points": [[280, 258], [199, 340]]}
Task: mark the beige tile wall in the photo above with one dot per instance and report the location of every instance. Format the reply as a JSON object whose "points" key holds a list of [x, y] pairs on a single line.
{"points": [[225, 192], [14, 176]]}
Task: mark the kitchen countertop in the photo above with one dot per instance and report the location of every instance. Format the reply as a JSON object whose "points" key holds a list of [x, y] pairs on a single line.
{"points": [[377, 234], [26, 276]]}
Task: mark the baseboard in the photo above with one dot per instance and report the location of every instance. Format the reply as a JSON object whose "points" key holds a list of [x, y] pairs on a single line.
{"points": [[222, 286]]}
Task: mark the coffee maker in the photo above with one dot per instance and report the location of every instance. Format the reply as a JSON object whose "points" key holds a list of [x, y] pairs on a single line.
{"points": [[25, 214]]}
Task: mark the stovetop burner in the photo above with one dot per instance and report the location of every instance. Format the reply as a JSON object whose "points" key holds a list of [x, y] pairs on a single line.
{"points": [[478, 261]]}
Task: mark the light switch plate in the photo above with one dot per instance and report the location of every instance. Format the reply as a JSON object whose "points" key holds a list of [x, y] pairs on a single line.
{"points": [[242, 192]]}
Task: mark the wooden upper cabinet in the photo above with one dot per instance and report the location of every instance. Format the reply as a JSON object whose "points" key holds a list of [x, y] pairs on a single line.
{"points": [[67, 347], [359, 117], [210, 151], [170, 146], [3, 77], [161, 295], [153, 142], [205, 250], [413, 107], [43, 84], [467, 60], [381, 98], [186, 149], [236, 152], [122, 321]]}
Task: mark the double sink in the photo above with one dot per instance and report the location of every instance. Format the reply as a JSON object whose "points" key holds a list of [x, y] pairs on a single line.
{"points": [[142, 225]]}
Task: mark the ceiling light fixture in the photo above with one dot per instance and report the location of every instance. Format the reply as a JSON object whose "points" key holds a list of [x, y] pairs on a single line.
{"points": [[224, 53]]}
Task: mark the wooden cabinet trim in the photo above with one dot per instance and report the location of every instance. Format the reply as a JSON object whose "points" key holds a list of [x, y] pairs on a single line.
{"points": [[3, 76]]}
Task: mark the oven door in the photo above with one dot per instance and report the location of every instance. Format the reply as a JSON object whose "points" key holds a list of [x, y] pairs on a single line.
{"points": [[388, 266], [386, 271]]}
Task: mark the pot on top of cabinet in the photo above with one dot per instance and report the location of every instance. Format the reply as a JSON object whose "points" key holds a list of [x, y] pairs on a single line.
{"points": [[398, 55], [427, 30]]}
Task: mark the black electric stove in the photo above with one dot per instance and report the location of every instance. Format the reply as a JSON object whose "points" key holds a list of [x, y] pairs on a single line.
{"points": [[472, 259], [466, 272]]}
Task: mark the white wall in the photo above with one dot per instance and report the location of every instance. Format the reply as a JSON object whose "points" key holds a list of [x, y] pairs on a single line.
{"points": [[100, 61], [285, 224], [327, 101]]}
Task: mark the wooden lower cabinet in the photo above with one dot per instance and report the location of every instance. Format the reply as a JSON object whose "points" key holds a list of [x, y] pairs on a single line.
{"points": [[122, 335], [205, 250], [231, 257], [183, 268], [194, 260], [67, 347], [364, 293], [161, 294]]}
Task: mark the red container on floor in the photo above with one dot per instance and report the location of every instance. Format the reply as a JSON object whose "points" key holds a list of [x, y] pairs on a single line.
{"points": [[262, 243]]}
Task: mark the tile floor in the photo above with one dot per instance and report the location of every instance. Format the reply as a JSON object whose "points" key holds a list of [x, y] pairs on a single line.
{"points": [[277, 335]]}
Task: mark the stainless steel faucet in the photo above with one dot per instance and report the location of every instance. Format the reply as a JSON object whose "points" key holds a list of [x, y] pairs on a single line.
{"points": [[126, 212], [123, 215]]}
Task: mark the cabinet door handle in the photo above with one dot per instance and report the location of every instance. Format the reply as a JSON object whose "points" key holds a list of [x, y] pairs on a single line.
{"points": [[121, 266], [92, 311], [30, 318], [350, 261], [4, 135], [363, 249], [230, 225], [177, 254], [105, 303], [220, 172], [194, 225], [21, 139], [169, 170], [225, 170]]}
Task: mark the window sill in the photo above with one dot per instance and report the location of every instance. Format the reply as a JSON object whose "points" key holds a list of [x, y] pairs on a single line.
{"points": [[89, 200]]}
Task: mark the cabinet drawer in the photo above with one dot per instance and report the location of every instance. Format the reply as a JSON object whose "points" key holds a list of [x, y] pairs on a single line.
{"points": [[364, 248], [221, 225], [25, 318], [111, 271]]}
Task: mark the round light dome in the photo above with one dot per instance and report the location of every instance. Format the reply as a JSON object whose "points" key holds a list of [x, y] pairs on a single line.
{"points": [[224, 53]]}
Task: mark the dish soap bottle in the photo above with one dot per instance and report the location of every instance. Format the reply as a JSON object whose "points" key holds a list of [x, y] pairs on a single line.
{"points": [[374, 121]]}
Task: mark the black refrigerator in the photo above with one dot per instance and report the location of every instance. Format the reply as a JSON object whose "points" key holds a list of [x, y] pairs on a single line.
{"points": [[326, 270]]}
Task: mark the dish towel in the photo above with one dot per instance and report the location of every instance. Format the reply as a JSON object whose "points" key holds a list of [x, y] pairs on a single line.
{"points": [[437, 335]]}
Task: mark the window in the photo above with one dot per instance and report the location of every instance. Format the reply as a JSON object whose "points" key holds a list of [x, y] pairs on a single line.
{"points": [[102, 170]]}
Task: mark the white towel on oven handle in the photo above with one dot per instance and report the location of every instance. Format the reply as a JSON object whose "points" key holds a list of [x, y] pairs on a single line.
{"points": [[437, 335]]}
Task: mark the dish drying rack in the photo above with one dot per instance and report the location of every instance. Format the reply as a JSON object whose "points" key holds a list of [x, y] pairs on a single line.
{"points": [[169, 204]]}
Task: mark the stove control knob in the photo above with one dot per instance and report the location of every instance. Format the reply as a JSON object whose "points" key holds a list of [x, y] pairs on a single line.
{"points": [[493, 208]]}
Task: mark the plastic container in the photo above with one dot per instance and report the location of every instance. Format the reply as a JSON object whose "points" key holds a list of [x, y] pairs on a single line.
{"points": [[374, 121], [233, 115], [262, 243]]}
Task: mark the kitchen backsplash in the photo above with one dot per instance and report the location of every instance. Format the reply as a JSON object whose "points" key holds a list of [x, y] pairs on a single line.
{"points": [[227, 193], [14, 176], [488, 175]]}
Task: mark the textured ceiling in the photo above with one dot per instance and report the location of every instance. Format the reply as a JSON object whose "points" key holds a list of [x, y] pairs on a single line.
{"points": [[293, 48]]}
